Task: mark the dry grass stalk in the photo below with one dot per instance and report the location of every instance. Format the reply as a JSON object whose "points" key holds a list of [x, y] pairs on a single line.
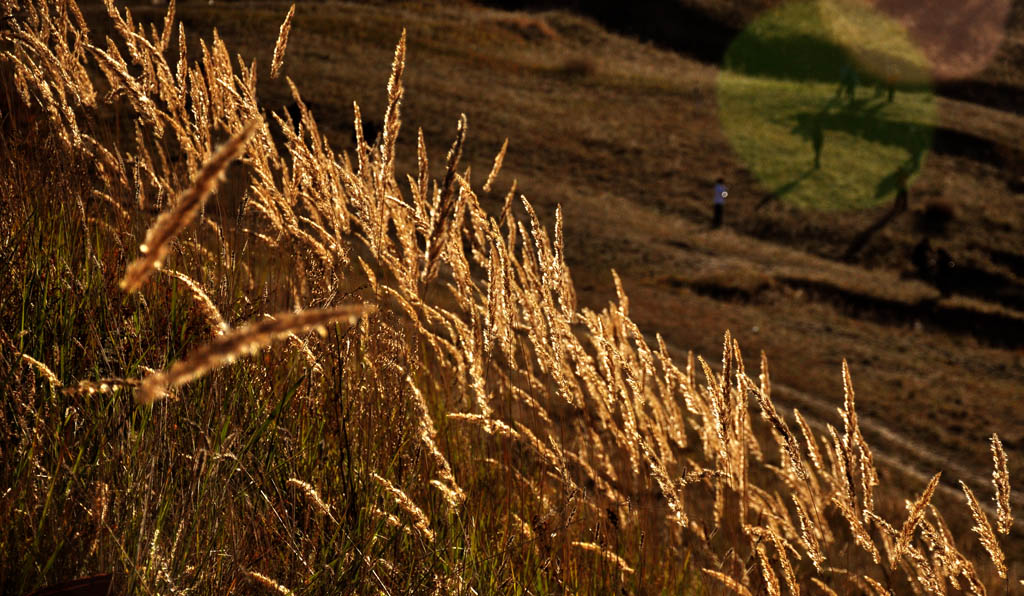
{"points": [[789, 445], [860, 535], [313, 496], [203, 301], [447, 203], [498, 160], [917, 512], [1001, 481], [452, 494], [104, 385], [170, 223], [269, 584], [812, 444], [984, 531], [226, 348], [605, 554], [809, 535], [282, 44], [824, 587], [390, 519], [781, 548], [879, 589], [926, 573], [491, 426], [770, 580], [43, 370], [420, 520], [98, 512], [668, 488], [392, 118], [428, 433], [863, 456], [729, 582]]}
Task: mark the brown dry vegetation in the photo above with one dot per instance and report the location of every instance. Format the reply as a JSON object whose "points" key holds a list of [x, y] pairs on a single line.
{"points": [[476, 430], [629, 152]]}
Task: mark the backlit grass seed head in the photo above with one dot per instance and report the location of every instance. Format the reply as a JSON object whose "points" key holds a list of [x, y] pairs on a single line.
{"points": [[984, 531], [43, 370], [729, 582], [203, 301], [809, 535], [269, 584], [782, 549], [420, 520], [107, 385], [171, 222], [1001, 481], [879, 589], [917, 512], [498, 159], [390, 519], [824, 587], [311, 494], [453, 495], [605, 554], [245, 340], [770, 580], [282, 43]]}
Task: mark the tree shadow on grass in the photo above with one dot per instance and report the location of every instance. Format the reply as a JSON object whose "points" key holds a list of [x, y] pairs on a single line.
{"points": [[861, 118], [896, 181], [861, 239], [785, 189]]}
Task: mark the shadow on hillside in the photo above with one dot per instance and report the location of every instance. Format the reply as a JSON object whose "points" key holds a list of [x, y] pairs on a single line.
{"points": [[861, 239], [862, 118], [672, 25], [784, 189]]}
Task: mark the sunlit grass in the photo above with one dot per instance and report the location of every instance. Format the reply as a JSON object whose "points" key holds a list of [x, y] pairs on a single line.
{"points": [[478, 433], [866, 143]]}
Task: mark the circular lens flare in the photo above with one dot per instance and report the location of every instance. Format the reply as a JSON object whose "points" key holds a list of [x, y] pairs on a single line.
{"points": [[880, 45], [959, 37]]}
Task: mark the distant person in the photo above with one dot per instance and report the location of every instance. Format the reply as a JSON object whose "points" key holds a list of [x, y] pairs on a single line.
{"points": [[719, 203]]}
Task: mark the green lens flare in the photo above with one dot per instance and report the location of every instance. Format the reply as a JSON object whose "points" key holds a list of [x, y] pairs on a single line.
{"points": [[828, 103]]}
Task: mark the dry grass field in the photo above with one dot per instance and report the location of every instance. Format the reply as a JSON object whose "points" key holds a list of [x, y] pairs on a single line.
{"points": [[487, 407], [629, 148]]}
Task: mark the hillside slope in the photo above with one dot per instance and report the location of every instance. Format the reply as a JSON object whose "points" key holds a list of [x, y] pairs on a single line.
{"points": [[626, 137]]}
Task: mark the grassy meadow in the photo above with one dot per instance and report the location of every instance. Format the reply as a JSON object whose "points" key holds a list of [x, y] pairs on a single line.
{"points": [[257, 339]]}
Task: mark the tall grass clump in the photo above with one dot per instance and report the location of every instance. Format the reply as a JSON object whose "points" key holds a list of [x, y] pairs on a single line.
{"points": [[429, 412]]}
